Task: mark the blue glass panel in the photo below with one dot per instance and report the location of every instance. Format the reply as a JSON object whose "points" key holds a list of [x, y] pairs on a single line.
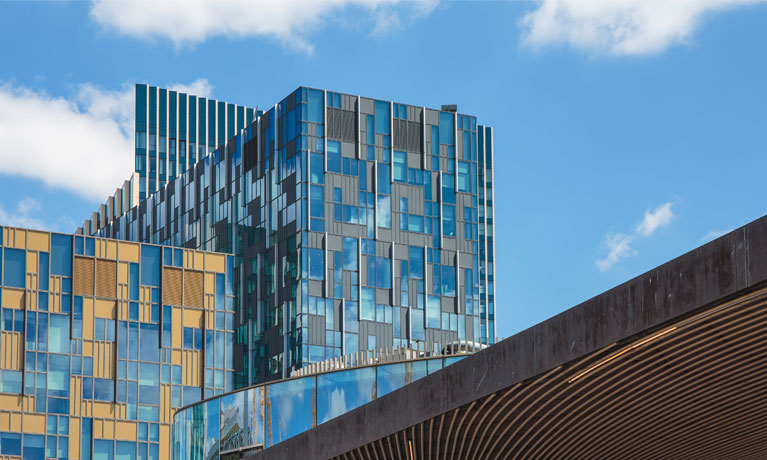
{"points": [[34, 447], [15, 268], [10, 443], [43, 271], [11, 382], [149, 342], [126, 450], [85, 443], [58, 334], [289, 409], [61, 255], [212, 430], [393, 376], [334, 156], [446, 128], [316, 106], [340, 392], [316, 264], [150, 265], [58, 375], [103, 449], [103, 389]]}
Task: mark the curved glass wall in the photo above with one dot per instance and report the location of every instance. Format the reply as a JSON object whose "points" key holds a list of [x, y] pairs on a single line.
{"points": [[232, 425]]}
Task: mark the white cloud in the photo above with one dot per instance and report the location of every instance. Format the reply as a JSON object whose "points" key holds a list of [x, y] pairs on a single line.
{"points": [[619, 244], [200, 87], [24, 215], [620, 27], [619, 247], [288, 21], [654, 219], [83, 144]]}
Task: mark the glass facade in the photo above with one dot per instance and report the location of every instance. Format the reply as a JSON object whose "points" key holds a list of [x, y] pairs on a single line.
{"points": [[93, 352], [239, 423], [356, 224], [174, 130]]}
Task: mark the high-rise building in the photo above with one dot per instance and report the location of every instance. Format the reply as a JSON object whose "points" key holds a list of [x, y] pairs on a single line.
{"points": [[174, 130], [102, 340], [356, 224]]}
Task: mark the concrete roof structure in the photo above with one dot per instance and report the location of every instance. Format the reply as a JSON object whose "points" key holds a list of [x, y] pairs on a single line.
{"points": [[671, 364]]}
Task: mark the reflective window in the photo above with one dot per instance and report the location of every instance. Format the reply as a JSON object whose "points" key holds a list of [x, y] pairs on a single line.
{"points": [[340, 392], [382, 117], [15, 267], [334, 156], [61, 255], [289, 409], [393, 376], [400, 166], [150, 265], [316, 264], [350, 253]]}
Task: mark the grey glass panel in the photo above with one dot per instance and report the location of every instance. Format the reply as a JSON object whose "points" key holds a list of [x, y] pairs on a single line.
{"points": [[340, 392]]}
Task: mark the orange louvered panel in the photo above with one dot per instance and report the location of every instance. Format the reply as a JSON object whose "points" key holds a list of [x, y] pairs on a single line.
{"points": [[171, 286], [193, 288], [106, 278], [82, 278]]}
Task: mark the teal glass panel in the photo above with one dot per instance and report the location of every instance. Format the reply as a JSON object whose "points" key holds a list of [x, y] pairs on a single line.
{"points": [[446, 128], [15, 267], [368, 307], [400, 166], [58, 333], [317, 168], [133, 282], [393, 376], [340, 392], [61, 255], [433, 309], [464, 181], [382, 117], [125, 450], [290, 407]]}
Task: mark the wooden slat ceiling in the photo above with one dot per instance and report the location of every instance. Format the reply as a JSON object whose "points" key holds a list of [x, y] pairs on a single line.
{"points": [[693, 389]]}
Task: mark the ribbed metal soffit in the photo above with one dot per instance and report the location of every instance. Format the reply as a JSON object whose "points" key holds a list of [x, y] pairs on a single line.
{"points": [[694, 389]]}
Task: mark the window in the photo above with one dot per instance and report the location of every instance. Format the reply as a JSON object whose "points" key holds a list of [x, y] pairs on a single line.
{"points": [[11, 382], [10, 443], [383, 272], [316, 264], [334, 156], [58, 333], [400, 166], [448, 220], [316, 106], [463, 176], [15, 267], [382, 117], [350, 253], [446, 128], [150, 265]]}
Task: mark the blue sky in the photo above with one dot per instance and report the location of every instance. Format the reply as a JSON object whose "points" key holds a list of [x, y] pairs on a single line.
{"points": [[627, 133]]}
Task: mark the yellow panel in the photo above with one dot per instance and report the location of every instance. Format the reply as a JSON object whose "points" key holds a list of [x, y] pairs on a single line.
{"points": [[176, 357], [106, 309], [21, 239], [87, 318], [122, 272], [111, 252], [10, 358], [76, 392], [129, 252], [16, 421], [13, 298], [98, 429], [83, 274], [210, 283], [5, 421], [34, 423], [164, 438], [29, 403], [193, 288], [87, 348], [74, 438], [109, 429], [192, 318], [176, 331], [32, 301], [31, 262], [106, 278], [10, 402], [188, 259], [6, 236], [38, 241], [199, 260], [103, 409], [125, 431], [215, 263]]}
